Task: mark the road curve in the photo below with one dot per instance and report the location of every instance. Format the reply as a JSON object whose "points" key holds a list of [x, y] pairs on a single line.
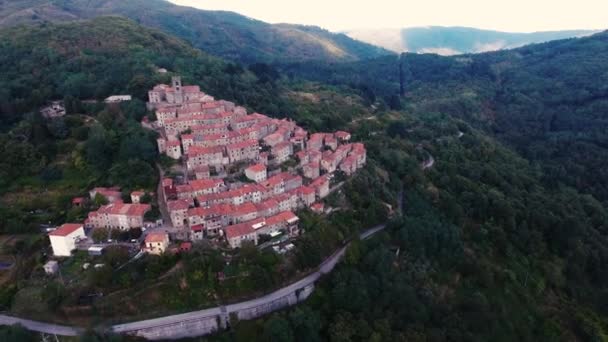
{"points": [[326, 267], [47, 328]]}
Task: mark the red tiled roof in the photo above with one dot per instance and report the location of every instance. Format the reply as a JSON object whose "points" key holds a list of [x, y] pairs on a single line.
{"points": [[242, 145], [156, 237], [201, 184], [306, 190], [284, 216], [137, 209], [197, 228], [66, 229], [317, 206], [242, 228], [196, 150], [342, 135], [245, 208], [191, 89], [257, 168], [178, 205], [281, 145], [211, 105]]}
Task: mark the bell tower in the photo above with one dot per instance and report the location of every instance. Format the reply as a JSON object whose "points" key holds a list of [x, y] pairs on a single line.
{"points": [[176, 83]]}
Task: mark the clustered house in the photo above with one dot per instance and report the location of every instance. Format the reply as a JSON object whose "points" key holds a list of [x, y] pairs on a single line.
{"points": [[281, 168], [115, 214], [216, 139]]}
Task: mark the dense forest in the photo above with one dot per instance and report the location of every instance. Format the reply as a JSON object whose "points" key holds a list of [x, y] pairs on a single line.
{"points": [[548, 101], [503, 237]]}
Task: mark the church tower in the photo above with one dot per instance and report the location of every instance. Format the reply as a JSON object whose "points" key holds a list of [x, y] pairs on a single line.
{"points": [[176, 83]]}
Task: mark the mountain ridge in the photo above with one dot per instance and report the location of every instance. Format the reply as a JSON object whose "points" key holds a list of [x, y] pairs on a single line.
{"points": [[453, 40], [221, 33]]}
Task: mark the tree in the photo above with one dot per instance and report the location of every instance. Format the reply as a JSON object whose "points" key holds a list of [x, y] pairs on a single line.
{"points": [[98, 149], [306, 324], [277, 329], [17, 333], [99, 200], [100, 234], [53, 295]]}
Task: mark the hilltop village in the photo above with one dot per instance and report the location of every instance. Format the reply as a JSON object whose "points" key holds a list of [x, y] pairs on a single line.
{"points": [[246, 174], [236, 177]]}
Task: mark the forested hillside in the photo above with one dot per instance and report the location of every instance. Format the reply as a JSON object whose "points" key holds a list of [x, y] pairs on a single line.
{"points": [[43, 163], [549, 101], [225, 34], [503, 238]]}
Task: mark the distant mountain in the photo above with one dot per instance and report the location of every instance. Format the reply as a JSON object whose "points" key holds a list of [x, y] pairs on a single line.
{"points": [[225, 34], [455, 40]]}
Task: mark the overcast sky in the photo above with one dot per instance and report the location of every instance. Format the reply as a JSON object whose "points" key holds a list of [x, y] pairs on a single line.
{"points": [[504, 15]]}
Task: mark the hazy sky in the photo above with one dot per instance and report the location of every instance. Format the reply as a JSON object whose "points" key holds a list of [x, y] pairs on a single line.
{"points": [[504, 15]]}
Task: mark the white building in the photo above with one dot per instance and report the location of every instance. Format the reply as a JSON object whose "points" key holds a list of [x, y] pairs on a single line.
{"points": [[117, 98], [51, 267], [63, 239]]}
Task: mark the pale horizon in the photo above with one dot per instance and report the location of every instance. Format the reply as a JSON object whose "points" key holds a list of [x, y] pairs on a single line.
{"points": [[340, 15]]}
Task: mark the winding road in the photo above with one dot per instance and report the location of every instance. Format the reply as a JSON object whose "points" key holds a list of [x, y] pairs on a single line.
{"points": [[326, 267]]}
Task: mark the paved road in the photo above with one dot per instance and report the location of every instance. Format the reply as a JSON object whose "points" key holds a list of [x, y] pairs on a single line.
{"points": [[326, 267], [160, 194], [429, 162], [47, 328]]}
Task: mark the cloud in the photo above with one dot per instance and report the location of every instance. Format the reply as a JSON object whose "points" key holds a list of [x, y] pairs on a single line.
{"points": [[487, 47], [443, 51]]}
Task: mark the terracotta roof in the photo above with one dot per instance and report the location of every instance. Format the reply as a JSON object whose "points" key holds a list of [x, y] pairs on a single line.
{"points": [[211, 105], [245, 208], [281, 145], [242, 228], [342, 135], [257, 168], [124, 209], [306, 190], [196, 150], [178, 205], [156, 237], [78, 200], [201, 184], [285, 216], [242, 145], [191, 89], [212, 211], [317, 206], [268, 204], [66, 229], [318, 181]]}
